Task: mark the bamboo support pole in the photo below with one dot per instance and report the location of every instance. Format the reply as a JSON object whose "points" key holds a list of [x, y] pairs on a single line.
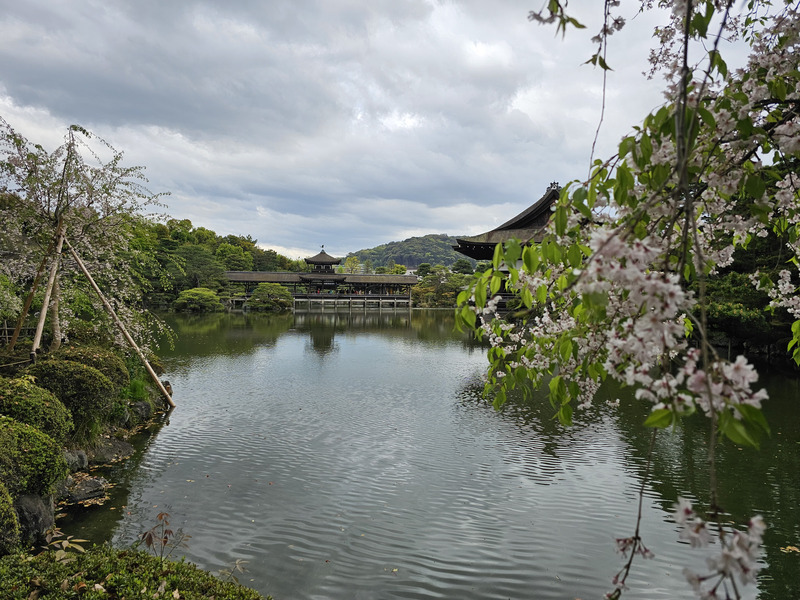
{"points": [[29, 299], [37, 338], [119, 324]]}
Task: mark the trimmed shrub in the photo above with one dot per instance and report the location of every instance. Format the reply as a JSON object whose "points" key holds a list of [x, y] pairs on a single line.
{"points": [[85, 332], [270, 296], [104, 360], [30, 461], [84, 390], [198, 300], [31, 404], [9, 524], [13, 362], [121, 573]]}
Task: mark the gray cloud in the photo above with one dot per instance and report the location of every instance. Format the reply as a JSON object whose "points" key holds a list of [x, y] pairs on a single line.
{"points": [[343, 122]]}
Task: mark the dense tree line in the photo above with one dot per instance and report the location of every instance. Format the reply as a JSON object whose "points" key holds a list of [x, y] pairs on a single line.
{"points": [[187, 257]]}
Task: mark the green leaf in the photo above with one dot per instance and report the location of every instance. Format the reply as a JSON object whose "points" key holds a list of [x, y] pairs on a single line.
{"points": [[755, 187], [530, 259], [565, 414], [565, 348], [495, 284], [527, 297], [574, 256], [753, 416], [497, 259], [513, 252], [735, 430], [660, 418], [561, 220], [468, 315], [718, 64], [480, 294], [558, 390]]}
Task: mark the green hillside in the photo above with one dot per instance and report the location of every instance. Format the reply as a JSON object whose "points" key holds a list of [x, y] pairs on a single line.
{"points": [[435, 249]]}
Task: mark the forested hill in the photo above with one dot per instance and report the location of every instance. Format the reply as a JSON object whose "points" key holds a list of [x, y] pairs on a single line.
{"points": [[435, 249]]}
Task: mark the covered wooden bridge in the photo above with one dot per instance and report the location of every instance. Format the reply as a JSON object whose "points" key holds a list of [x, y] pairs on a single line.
{"points": [[323, 286]]}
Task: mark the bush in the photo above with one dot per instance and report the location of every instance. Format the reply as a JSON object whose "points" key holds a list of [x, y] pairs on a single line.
{"points": [[121, 573], [13, 362], [31, 404], [270, 296], [9, 524], [30, 461], [104, 360], [197, 300], [84, 390], [85, 332]]}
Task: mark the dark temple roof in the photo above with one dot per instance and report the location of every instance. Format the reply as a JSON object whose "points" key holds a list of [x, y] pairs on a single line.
{"points": [[528, 226], [323, 258]]}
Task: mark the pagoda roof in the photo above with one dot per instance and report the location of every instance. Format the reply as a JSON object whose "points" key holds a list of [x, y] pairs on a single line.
{"points": [[528, 226], [323, 258]]}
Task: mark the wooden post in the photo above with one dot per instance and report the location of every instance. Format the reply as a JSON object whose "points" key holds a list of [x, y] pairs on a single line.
{"points": [[37, 338], [121, 327], [29, 299]]}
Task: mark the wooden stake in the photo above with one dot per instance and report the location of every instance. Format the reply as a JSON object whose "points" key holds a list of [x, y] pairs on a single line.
{"points": [[121, 327], [37, 338], [29, 299]]}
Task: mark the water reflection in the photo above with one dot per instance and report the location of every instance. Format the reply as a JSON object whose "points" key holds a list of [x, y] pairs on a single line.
{"points": [[351, 456]]}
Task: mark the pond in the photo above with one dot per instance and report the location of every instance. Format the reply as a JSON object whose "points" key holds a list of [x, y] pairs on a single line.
{"points": [[350, 455]]}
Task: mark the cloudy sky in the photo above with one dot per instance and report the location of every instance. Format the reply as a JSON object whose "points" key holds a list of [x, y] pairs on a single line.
{"points": [[348, 123]]}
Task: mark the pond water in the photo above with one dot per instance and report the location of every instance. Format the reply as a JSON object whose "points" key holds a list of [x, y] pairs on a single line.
{"points": [[350, 455]]}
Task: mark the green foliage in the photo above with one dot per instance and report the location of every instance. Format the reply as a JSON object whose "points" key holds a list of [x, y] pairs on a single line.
{"points": [[737, 321], [63, 546], [270, 296], [352, 264], [200, 268], [234, 257], [10, 303], [412, 252], [104, 360], [85, 391], [36, 406], [438, 289], [136, 390], [462, 265], [9, 523], [104, 572], [30, 461], [198, 300], [423, 269]]}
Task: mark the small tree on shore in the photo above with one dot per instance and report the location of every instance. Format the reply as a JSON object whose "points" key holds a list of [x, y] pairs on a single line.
{"points": [[83, 192], [198, 300], [270, 297]]}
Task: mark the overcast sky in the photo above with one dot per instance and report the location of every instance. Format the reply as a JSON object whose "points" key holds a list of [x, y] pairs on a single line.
{"points": [[349, 123]]}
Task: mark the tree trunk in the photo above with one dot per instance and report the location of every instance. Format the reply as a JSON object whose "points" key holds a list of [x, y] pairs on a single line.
{"points": [[55, 315]]}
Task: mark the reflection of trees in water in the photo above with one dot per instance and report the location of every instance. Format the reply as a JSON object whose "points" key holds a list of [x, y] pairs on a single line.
{"points": [[225, 333], [549, 447], [435, 327], [750, 481]]}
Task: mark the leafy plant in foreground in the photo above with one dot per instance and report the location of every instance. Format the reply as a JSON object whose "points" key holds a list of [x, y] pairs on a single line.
{"points": [[161, 540]]}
